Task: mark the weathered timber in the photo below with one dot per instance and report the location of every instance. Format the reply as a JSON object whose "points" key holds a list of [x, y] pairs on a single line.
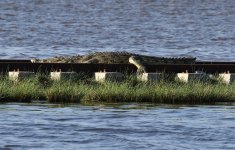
{"points": [[177, 68], [48, 67], [129, 68], [15, 60]]}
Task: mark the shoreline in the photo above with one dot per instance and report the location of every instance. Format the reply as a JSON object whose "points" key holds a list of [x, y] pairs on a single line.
{"points": [[88, 91]]}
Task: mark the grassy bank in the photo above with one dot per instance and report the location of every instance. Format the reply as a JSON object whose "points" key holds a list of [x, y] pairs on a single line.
{"points": [[131, 90]]}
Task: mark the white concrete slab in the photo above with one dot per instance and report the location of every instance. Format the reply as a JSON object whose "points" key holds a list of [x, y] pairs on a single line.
{"points": [[150, 77], [186, 77], [227, 78], [19, 75], [110, 76], [63, 75]]}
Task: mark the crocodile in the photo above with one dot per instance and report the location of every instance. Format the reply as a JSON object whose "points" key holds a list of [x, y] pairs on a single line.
{"points": [[118, 58]]}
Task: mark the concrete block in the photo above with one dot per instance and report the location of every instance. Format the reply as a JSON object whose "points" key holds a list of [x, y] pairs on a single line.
{"points": [[227, 78], [186, 77], [150, 77], [63, 75], [19, 75], [110, 76]]}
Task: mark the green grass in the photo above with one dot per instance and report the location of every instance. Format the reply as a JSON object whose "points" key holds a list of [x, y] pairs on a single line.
{"points": [[130, 90]]}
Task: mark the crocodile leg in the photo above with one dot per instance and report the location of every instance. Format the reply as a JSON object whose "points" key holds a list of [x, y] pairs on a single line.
{"points": [[137, 62]]}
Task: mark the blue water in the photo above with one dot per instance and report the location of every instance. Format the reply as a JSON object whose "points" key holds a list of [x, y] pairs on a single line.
{"points": [[45, 28], [44, 126]]}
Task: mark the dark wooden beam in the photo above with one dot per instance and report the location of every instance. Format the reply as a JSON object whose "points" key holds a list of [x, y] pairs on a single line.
{"points": [[128, 68]]}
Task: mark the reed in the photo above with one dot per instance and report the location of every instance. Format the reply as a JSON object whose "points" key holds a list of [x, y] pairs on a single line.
{"points": [[130, 90], [23, 91]]}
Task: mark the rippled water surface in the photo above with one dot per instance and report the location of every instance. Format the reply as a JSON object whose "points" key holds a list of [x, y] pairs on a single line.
{"points": [[44, 28], [27, 126]]}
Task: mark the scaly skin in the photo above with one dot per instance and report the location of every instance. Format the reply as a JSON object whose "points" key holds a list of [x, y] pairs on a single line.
{"points": [[135, 60], [116, 58]]}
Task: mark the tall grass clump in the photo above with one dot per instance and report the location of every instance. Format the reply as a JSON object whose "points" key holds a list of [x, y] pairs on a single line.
{"points": [[71, 90], [64, 92], [20, 91], [84, 89], [108, 92], [132, 90], [196, 92]]}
